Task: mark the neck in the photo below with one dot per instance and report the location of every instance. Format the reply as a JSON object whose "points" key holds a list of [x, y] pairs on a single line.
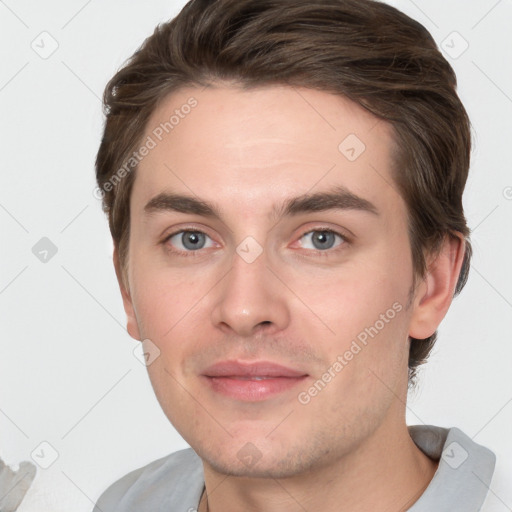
{"points": [[387, 472]]}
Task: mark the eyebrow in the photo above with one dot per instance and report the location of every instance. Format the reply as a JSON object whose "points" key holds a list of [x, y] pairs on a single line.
{"points": [[338, 198]]}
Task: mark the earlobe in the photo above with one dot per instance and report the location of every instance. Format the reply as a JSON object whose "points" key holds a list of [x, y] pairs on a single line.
{"points": [[435, 293], [131, 319]]}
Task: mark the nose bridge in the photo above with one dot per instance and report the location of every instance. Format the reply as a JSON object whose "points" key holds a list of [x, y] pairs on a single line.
{"points": [[250, 296]]}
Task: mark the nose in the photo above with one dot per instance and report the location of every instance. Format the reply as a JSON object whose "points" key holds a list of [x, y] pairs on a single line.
{"points": [[250, 299]]}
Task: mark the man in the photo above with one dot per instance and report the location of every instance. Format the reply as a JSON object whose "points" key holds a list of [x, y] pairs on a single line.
{"points": [[283, 182]]}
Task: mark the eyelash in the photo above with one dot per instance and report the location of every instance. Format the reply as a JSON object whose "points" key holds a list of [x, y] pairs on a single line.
{"points": [[317, 252]]}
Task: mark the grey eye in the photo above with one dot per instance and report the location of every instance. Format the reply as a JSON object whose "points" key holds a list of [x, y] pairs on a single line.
{"points": [[321, 240], [190, 240], [193, 240]]}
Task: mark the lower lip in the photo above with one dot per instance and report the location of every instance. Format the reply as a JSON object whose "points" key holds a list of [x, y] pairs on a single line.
{"points": [[253, 390]]}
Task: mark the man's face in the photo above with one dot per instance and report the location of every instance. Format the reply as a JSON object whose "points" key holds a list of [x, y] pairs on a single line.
{"points": [[252, 306]]}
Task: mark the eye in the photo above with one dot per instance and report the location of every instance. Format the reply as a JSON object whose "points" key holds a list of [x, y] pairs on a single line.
{"points": [[321, 240], [186, 241]]}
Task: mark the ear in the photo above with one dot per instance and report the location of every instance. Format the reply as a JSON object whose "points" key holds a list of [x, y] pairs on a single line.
{"points": [[435, 293], [131, 319]]}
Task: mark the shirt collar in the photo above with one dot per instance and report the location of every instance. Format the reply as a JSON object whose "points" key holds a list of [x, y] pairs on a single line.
{"points": [[464, 474]]}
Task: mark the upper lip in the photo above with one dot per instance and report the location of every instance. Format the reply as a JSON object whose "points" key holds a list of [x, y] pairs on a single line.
{"points": [[250, 369]]}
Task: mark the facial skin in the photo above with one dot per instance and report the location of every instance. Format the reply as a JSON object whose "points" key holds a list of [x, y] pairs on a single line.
{"points": [[299, 304]]}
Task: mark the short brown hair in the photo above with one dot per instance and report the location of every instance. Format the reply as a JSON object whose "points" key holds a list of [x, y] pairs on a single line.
{"points": [[364, 50]]}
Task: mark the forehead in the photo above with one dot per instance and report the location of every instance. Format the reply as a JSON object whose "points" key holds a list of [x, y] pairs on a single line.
{"points": [[252, 148]]}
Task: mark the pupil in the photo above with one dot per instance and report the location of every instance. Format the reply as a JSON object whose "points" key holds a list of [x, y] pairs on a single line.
{"points": [[323, 239], [192, 240]]}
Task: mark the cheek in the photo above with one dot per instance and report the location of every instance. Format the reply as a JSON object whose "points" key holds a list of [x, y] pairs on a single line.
{"points": [[348, 300], [365, 341], [366, 354], [164, 298]]}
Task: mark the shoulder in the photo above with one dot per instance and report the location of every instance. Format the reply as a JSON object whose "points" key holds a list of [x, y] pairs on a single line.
{"points": [[176, 478]]}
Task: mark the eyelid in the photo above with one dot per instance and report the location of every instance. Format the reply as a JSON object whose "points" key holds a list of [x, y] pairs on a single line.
{"points": [[326, 229], [168, 233]]}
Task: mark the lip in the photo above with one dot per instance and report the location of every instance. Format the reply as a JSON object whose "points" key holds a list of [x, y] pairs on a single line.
{"points": [[251, 381]]}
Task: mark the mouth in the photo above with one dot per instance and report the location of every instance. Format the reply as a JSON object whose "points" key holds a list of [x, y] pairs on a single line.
{"points": [[251, 382]]}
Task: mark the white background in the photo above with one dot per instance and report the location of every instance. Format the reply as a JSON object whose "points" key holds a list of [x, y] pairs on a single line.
{"points": [[68, 375]]}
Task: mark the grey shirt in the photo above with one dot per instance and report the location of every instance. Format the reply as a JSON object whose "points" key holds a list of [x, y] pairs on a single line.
{"points": [[175, 482]]}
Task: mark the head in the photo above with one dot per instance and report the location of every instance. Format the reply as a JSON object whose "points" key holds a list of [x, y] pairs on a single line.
{"points": [[249, 107]]}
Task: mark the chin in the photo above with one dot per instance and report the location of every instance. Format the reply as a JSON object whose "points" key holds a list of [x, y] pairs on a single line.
{"points": [[269, 462], [261, 469]]}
